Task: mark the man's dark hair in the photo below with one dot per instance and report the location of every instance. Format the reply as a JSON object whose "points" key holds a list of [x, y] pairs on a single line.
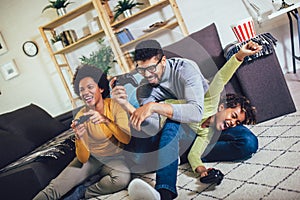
{"points": [[95, 73], [234, 100], [146, 49]]}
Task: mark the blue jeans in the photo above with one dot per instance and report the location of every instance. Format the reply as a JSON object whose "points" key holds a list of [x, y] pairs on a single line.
{"points": [[234, 144], [160, 153], [175, 139]]}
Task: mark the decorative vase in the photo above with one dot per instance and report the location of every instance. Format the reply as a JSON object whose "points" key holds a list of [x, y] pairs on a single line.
{"points": [[58, 46], [61, 11], [127, 13]]}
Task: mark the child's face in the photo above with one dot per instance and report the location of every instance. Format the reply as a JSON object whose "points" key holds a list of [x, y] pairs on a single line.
{"points": [[229, 117]]}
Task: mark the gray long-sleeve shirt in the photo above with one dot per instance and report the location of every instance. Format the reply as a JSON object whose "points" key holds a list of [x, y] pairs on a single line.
{"points": [[182, 79]]}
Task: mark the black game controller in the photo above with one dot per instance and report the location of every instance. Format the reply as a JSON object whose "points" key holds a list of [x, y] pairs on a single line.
{"points": [[82, 119], [125, 79], [214, 176]]}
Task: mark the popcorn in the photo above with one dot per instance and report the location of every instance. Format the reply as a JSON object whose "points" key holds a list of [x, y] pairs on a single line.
{"points": [[244, 29]]}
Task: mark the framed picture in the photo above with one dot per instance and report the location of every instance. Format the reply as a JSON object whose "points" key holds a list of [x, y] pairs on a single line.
{"points": [[3, 48], [9, 70]]}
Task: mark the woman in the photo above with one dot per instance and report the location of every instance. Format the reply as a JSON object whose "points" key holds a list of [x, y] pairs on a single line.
{"points": [[99, 141]]}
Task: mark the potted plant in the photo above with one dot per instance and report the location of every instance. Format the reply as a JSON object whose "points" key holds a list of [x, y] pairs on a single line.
{"points": [[56, 41], [59, 5], [102, 58], [124, 7]]}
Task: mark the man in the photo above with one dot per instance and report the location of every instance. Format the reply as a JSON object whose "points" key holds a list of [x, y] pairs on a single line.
{"points": [[164, 79]]}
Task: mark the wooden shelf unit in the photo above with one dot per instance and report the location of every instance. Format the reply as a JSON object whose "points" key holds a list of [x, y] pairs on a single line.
{"points": [[107, 29]]}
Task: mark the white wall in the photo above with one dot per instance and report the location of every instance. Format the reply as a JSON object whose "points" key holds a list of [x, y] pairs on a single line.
{"points": [[39, 82]]}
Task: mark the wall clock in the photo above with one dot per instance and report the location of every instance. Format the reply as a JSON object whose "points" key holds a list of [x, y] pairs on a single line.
{"points": [[30, 48]]}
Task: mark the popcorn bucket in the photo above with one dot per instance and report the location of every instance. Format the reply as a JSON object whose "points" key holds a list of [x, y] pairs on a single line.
{"points": [[244, 29]]}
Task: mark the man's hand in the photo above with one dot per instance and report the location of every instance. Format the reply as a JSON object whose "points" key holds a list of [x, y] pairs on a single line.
{"points": [[248, 49], [140, 114], [118, 93]]}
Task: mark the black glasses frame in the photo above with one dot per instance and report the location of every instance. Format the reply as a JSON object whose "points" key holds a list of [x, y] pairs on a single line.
{"points": [[151, 68]]}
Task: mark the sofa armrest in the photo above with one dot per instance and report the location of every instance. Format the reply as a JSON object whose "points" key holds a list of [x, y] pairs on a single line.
{"points": [[263, 83], [65, 118], [203, 47]]}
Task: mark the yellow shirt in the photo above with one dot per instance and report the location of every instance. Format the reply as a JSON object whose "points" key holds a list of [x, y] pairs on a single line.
{"points": [[105, 139]]}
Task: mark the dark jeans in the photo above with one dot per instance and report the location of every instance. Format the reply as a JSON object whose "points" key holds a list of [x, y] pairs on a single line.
{"points": [[237, 143], [160, 153]]}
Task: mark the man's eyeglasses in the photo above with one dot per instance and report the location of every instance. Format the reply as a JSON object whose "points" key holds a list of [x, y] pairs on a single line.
{"points": [[151, 68]]}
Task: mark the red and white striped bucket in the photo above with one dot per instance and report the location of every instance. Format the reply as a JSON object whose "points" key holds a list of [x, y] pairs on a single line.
{"points": [[244, 29]]}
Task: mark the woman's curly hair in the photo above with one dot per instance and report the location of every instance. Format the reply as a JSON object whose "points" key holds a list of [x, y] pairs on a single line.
{"points": [[234, 100], [95, 73]]}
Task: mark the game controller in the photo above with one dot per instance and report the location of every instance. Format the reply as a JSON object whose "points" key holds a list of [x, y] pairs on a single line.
{"points": [[125, 79], [82, 119], [214, 176]]}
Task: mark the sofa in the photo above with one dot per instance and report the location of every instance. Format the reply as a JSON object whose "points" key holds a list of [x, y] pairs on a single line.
{"points": [[31, 130], [260, 80], [22, 132]]}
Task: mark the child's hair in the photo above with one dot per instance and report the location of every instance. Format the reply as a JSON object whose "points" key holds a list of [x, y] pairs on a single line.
{"points": [[95, 73], [234, 100], [146, 49]]}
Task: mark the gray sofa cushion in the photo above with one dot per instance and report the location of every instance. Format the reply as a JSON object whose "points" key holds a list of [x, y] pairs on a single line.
{"points": [[204, 47], [32, 123]]}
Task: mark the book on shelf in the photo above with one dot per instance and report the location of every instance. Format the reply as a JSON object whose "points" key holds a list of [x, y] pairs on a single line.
{"points": [[128, 33], [124, 36]]}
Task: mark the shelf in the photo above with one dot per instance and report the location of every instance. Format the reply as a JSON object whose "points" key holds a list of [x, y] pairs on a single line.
{"points": [[60, 59], [142, 13], [63, 65], [283, 11], [147, 35], [80, 43], [69, 16]]}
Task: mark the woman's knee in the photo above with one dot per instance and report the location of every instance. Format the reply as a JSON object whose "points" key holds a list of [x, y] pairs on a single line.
{"points": [[118, 174], [108, 184], [112, 182]]}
